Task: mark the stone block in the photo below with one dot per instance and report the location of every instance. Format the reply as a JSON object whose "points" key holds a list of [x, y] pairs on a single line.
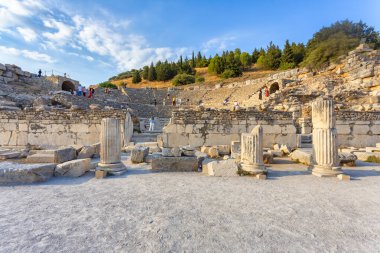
{"points": [[205, 149], [86, 152], [261, 176], [65, 154], [205, 163], [347, 159], [10, 155], [153, 146], [377, 145], [276, 153], [235, 149], [100, 174], [302, 156], [223, 149], [41, 158], [366, 156], [74, 168], [267, 158], [25, 173], [372, 149], [223, 168], [175, 164], [285, 149], [213, 152], [149, 158], [139, 153], [344, 177]]}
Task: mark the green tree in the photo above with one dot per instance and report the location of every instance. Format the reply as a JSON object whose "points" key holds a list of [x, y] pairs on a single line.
{"points": [[338, 39], [152, 75], [145, 72], [245, 59], [182, 79], [271, 59], [287, 57], [136, 78], [255, 55]]}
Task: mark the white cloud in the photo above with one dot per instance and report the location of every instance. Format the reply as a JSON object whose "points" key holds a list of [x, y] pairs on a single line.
{"points": [[218, 44], [61, 36], [32, 55], [128, 51], [27, 33]]}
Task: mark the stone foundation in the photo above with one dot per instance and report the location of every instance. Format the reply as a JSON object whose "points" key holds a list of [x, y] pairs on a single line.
{"points": [[53, 128]]}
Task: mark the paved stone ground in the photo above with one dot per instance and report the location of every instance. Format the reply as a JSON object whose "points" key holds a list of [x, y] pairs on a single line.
{"points": [[292, 211]]}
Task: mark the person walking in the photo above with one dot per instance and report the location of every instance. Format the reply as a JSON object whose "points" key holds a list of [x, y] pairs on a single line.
{"points": [[84, 91], [174, 101], [90, 91], [79, 90], [151, 124], [266, 91], [39, 73], [260, 94], [155, 102]]}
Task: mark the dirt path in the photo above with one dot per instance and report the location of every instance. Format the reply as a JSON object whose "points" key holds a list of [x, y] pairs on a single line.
{"points": [[292, 211]]}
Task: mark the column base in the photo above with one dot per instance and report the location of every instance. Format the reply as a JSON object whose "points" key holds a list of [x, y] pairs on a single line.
{"points": [[112, 168], [254, 169], [323, 171]]}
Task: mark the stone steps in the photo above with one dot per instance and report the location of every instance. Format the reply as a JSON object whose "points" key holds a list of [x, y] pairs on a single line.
{"points": [[145, 137]]}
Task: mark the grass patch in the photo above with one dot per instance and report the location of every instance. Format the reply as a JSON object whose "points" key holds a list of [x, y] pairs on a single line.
{"points": [[373, 159]]}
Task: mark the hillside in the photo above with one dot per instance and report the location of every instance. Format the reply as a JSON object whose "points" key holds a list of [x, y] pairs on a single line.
{"points": [[210, 79]]}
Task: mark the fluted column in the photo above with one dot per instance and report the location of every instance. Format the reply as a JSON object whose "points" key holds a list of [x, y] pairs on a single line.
{"points": [[252, 151], [110, 145], [325, 150]]}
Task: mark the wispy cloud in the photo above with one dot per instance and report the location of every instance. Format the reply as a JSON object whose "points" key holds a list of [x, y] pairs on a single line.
{"points": [[28, 34], [218, 43], [32, 55]]}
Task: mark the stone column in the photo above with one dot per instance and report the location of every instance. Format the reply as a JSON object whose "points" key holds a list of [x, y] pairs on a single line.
{"points": [[110, 146], [252, 151], [128, 129], [325, 151]]}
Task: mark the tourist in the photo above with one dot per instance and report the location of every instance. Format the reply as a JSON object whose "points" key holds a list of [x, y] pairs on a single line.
{"points": [[84, 91], [236, 106], [151, 124], [174, 100], [155, 102], [266, 91], [225, 102], [39, 73], [90, 92], [260, 94], [79, 90]]}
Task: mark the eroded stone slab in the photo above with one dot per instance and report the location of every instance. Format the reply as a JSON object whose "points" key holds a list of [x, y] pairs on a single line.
{"points": [[74, 168], [178, 164], [25, 173], [223, 168]]}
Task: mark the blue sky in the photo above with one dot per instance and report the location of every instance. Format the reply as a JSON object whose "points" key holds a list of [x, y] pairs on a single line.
{"points": [[91, 40]]}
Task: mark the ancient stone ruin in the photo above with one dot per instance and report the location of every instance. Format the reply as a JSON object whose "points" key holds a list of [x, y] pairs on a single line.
{"points": [[42, 122]]}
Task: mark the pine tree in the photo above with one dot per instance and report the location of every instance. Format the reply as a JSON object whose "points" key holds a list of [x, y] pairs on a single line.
{"points": [[136, 78], [145, 72], [287, 57], [152, 75], [192, 60]]}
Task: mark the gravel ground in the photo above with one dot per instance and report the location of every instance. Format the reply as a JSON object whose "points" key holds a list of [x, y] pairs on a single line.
{"points": [[140, 211]]}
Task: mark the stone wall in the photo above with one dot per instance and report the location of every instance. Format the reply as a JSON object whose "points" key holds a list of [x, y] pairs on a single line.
{"points": [[53, 128], [358, 129], [214, 127]]}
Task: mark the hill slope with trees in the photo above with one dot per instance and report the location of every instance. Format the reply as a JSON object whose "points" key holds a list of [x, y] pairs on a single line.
{"points": [[326, 46]]}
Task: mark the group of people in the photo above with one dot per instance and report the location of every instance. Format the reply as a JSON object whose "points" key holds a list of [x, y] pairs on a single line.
{"points": [[83, 91], [261, 93]]}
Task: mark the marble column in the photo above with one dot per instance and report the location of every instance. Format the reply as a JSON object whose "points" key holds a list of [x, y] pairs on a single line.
{"points": [[110, 146], [325, 150], [252, 151], [128, 129]]}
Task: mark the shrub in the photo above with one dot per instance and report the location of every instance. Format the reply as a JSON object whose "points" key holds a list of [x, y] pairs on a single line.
{"points": [[229, 73], [199, 79], [182, 79], [108, 85], [136, 78]]}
